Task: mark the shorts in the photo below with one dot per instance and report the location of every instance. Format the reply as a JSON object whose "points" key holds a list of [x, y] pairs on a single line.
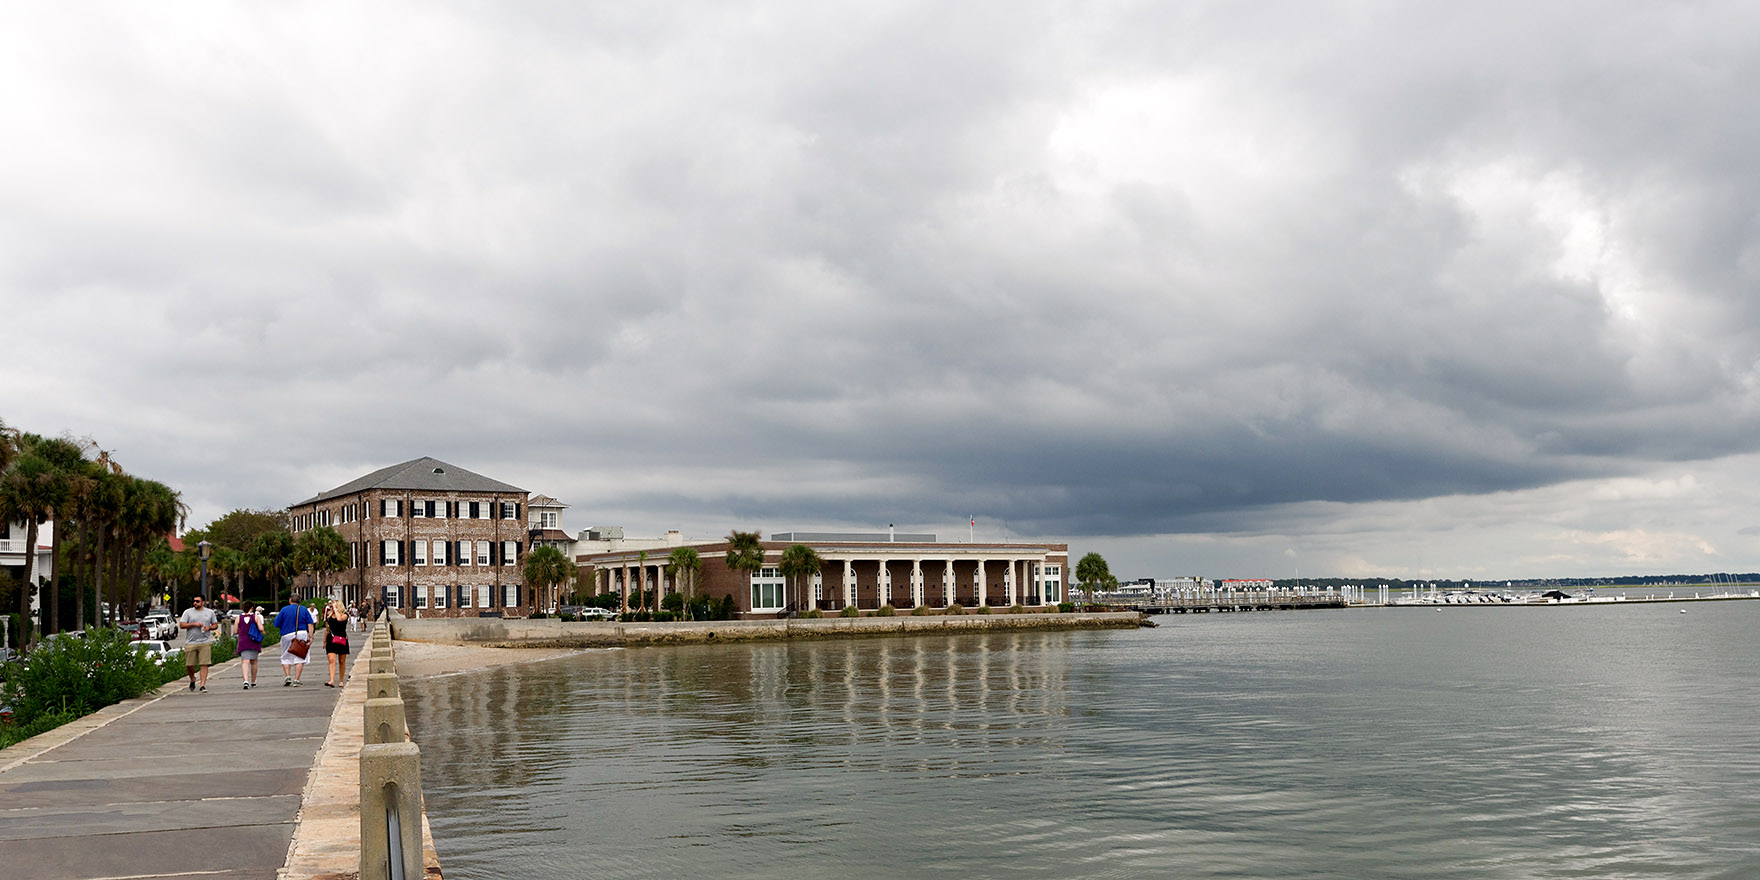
{"points": [[248, 655], [198, 655], [333, 648]]}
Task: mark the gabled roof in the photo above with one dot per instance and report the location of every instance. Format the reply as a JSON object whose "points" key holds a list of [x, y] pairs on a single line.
{"points": [[543, 501], [421, 475]]}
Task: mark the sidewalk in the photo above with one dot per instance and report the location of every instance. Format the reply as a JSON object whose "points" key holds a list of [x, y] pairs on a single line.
{"points": [[174, 784]]}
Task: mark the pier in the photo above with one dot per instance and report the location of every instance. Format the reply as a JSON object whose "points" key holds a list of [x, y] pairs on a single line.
{"points": [[1235, 602]]}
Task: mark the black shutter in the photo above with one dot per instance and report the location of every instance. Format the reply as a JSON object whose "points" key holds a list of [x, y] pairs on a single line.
{"points": [[516, 510], [517, 550]]}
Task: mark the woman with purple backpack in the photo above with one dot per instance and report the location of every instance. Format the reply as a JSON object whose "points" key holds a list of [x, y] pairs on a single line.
{"points": [[250, 644]]}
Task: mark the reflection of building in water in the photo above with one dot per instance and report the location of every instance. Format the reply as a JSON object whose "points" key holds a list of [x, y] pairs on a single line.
{"points": [[858, 570]]}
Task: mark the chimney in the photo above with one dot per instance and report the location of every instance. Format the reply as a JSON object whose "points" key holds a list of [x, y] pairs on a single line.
{"points": [[891, 534]]}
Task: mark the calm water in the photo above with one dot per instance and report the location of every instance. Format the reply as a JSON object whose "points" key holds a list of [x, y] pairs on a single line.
{"points": [[1399, 743]]}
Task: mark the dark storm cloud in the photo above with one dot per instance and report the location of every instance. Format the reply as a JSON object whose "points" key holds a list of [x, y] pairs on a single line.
{"points": [[1137, 269]]}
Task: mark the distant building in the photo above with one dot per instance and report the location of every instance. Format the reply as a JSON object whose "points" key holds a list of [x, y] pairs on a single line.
{"points": [[426, 537], [863, 571]]}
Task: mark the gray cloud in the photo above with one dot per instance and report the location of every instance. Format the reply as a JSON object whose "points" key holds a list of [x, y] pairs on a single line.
{"points": [[1146, 271]]}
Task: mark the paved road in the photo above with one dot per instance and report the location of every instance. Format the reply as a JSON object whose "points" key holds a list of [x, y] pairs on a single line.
{"points": [[184, 785]]}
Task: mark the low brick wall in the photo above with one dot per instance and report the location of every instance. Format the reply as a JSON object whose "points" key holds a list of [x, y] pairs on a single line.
{"points": [[550, 633]]}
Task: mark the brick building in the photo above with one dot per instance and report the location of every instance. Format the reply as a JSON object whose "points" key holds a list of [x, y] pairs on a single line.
{"points": [[426, 537], [862, 570]]}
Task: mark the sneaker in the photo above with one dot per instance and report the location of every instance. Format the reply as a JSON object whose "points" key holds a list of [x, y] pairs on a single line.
{"points": [[192, 685], [247, 686], [203, 689], [297, 684], [286, 682]]}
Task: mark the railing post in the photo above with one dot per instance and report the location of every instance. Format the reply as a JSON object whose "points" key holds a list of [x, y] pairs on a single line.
{"points": [[391, 811], [383, 721]]}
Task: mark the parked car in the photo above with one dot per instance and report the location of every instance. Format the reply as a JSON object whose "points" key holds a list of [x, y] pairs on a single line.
{"points": [[595, 614], [157, 649], [161, 626]]}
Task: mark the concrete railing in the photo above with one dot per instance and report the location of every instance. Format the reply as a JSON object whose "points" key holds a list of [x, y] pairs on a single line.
{"points": [[391, 774]]}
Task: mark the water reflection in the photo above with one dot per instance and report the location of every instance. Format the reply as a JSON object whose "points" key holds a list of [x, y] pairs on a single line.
{"points": [[1310, 744]]}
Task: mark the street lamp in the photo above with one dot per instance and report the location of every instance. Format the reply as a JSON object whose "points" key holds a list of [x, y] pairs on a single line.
{"points": [[207, 550]]}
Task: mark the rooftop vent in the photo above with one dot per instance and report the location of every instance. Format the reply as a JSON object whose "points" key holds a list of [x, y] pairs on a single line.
{"points": [[439, 470]]}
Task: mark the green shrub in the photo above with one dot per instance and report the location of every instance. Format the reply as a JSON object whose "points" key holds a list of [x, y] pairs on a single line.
{"points": [[885, 611], [78, 675], [953, 610], [983, 609], [850, 611], [17, 733], [673, 602], [1017, 609], [922, 611], [727, 608], [664, 617], [1065, 607]]}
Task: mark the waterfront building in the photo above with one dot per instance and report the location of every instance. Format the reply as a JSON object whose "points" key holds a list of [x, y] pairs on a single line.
{"points": [[426, 537], [864, 571], [20, 562]]}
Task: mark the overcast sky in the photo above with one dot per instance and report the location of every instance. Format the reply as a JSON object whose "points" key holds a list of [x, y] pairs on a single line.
{"points": [[1234, 288]]}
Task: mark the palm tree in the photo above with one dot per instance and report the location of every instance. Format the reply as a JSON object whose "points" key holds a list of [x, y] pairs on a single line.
{"points": [[684, 563], [271, 557], [323, 550], [100, 506], [68, 459], [546, 567], [798, 562], [1093, 573], [29, 493], [745, 552]]}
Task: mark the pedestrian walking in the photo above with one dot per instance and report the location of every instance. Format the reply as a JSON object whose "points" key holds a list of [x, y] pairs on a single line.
{"points": [[250, 644], [295, 623], [198, 624], [336, 643]]}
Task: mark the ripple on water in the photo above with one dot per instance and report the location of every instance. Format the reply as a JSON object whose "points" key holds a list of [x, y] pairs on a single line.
{"points": [[1497, 744]]}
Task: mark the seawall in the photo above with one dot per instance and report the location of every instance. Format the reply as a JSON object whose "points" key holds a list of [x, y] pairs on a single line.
{"points": [[549, 633]]}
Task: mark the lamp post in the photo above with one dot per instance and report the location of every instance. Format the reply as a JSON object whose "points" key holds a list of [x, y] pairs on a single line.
{"points": [[206, 550]]}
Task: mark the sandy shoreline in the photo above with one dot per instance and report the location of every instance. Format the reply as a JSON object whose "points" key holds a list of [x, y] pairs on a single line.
{"points": [[424, 660]]}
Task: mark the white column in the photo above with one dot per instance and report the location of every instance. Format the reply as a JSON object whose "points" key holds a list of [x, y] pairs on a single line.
{"points": [[983, 587], [849, 583], [882, 591], [916, 582]]}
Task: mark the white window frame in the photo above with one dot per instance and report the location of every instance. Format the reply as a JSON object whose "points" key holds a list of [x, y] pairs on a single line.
{"points": [[423, 591], [418, 552], [418, 510], [393, 595], [464, 598], [510, 595], [548, 520], [464, 558], [509, 552], [769, 589], [482, 552], [481, 595], [391, 552]]}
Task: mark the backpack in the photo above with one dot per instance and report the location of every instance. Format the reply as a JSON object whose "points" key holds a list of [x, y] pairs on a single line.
{"points": [[252, 629]]}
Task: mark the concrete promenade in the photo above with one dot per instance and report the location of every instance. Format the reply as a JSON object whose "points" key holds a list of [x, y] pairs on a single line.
{"points": [[173, 784]]}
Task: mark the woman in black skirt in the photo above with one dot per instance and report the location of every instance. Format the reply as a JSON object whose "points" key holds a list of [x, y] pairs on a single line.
{"points": [[336, 642]]}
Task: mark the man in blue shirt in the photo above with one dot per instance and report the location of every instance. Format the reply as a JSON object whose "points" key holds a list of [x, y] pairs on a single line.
{"points": [[295, 623]]}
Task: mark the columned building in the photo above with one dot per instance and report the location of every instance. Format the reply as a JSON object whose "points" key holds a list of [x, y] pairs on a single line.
{"points": [[860, 571], [428, 538]]}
